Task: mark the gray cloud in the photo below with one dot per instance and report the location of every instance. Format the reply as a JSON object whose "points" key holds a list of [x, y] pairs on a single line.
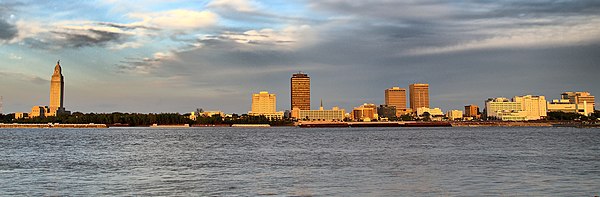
{"points": [[126, 26], [7, 31], [75, 39], [25, 77]]}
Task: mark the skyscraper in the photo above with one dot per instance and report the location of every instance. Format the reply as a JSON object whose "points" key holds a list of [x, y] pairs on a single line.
{"points": [[57, 89], [396, 97], [419, 96], [265, 104], [300, 91]]}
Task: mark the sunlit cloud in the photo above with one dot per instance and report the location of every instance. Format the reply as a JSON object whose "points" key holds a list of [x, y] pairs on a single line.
{"points": [[179, 19], [237, 5]]}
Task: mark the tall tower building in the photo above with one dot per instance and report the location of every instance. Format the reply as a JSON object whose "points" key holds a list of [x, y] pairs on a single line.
{"points": [[396, 97], [57, 91], [419, 95], [300, 91]]}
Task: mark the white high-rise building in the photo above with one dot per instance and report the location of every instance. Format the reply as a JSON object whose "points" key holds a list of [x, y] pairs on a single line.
{"points": [[520, 108], [534, 106]]}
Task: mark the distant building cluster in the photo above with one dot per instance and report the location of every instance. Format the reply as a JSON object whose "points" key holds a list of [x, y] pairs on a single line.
{"points": [[397, 107], [57, 94]]}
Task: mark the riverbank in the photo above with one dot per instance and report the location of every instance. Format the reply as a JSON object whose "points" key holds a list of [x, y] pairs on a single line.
{"points": [[55, 125]]}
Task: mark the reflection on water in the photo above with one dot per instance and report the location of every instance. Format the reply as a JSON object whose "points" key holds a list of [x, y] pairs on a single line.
{"points": [[300, 162]]}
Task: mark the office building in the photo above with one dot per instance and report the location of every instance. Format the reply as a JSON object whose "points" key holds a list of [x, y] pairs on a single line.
{"points": [[300, 91], [264, 104], [472, 111], [419, 96], [38, 111], [584, 101], [534, 106], [396, 97], [366, 112]]}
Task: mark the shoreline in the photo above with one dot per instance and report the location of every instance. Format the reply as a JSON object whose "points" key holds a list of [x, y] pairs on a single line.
{"points": [[51, 125]]}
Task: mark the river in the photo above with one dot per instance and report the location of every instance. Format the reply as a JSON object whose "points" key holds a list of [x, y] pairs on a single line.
{"points": [[289, 161]]}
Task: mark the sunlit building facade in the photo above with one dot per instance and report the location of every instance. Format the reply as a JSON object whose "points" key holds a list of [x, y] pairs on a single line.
{"points": [[472, 111], [534, 106], [300, 91], [584, 101], [396, 97], [57, 92], [265, 104], [454, 115], [366, 112], [419, 96]]}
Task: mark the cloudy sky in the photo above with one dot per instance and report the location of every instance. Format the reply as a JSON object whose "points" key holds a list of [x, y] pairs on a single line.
{"points": [[175, 55]]}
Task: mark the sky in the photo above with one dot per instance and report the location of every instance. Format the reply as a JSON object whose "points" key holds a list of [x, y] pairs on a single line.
{"points": [[176, 56]]}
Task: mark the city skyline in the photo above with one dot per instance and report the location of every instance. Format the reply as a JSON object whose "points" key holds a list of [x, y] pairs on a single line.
{"points": [[120, 57]]}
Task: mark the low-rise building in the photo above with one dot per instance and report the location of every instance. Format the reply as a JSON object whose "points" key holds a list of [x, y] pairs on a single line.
{"points": [[454, 115], [21, 115], [472, 111], [366, 112], [500, 104], [432, 111], [38, 111], [335, 114], [195, 115], [576, 102], [385, 111], [511, 115]]}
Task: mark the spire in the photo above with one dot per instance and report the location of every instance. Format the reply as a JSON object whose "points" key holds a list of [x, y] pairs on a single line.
{"points": [[321, 108], [57, 68]]}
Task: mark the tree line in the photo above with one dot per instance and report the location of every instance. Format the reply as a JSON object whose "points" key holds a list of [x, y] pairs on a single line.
{"points": [[139, 119]]}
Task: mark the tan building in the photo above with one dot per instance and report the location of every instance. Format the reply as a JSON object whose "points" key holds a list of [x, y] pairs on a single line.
{"points": [[562, 105], [535, 107], [300, 91], [472, 111], [511, 115], [454, 115], [432, 111], [584, 100], [57, 92], [396, 97], [195, 115], [419, 96], [264, 104], [38, 111], [366, 112], [335, 114], [21, 115]]}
